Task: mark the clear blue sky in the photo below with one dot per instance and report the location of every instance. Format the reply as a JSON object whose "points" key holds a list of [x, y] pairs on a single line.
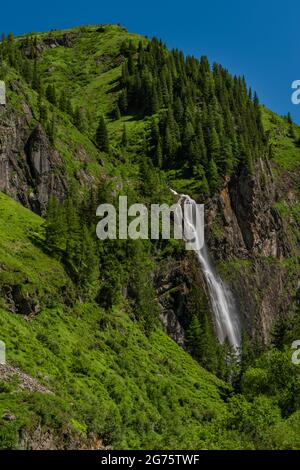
{"points": [[258, 38]]}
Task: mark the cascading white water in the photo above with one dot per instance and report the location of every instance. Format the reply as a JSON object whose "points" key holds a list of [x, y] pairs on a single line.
{"points": [[226, 317]]}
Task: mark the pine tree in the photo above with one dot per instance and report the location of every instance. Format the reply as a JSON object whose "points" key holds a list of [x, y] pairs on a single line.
{"points": [[56, 228], [36, 82], [102, 136], [116, 113], [124, 140], [213, 176], [42, 109], [200, 176], [51, 94], [208, 346], [201, 340], [73, 245], [214, 145], [279, 332], [247, 352], [289, 118], [193, 336], [232, 367], [88, 269], [78, 118], [65, 104], [62, 101], [211, 117], [51, 129], [27, 72], [123, 102]]}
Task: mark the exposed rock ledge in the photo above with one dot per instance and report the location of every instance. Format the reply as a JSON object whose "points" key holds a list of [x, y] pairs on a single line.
{"points": [[25, 382]]}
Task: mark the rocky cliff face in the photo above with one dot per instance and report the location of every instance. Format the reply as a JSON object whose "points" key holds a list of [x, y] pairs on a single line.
{"points": [[182, 293], [251, 244], [30, 169], [254, 232]]}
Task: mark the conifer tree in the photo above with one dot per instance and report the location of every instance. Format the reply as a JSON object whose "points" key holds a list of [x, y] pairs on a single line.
{"points": [[56, 228], [123, 102], [124, 140], [51, 94], [42, 109], [117, 113], [51, 129], [213, 176], [27, 72], [206, 116], [193, 336], [201, 339], [78, 118], [73, 245], [102, 139], [36, 83], [88, 269]]}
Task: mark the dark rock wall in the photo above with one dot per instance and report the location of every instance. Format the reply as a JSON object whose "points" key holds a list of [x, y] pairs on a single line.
{"points": [[30, 169], [249, 243]]}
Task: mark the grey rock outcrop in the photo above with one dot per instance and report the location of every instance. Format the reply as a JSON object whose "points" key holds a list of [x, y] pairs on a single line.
{"points": [[30, 169]]}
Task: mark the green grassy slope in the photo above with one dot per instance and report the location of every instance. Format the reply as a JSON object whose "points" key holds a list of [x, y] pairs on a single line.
{"points": [[89, 70], [109, 381], [107, 377], [282, 137]]}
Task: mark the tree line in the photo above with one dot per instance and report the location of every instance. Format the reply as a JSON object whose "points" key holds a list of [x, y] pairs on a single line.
{"points": [[202, 119]]}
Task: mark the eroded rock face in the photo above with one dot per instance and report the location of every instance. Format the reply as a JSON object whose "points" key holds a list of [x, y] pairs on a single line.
{"points": [[30, 169], [19, 301], [244, 225], [50, 42], [244, 212], [252, 199], [43, 163], [41, 438], [249, 243], [172, 326], [182, 293]]}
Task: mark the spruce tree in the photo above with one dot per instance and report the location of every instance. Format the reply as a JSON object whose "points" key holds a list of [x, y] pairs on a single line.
{"points": [[36, 83], [102, 139], [226, 120], [56, 228], [78, 118], [51, 129], [117, 113], [51, 94], [42, 109], [124, 140], [74, 244], [123, 102], [193, 335], [213, 176], [88, 269]]}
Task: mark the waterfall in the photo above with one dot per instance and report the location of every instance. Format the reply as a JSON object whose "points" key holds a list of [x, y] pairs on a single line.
{"points": [[226, 316]]}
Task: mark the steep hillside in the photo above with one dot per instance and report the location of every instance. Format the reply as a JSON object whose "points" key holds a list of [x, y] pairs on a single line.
{"points": [[105, 381], [113, 343]]}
